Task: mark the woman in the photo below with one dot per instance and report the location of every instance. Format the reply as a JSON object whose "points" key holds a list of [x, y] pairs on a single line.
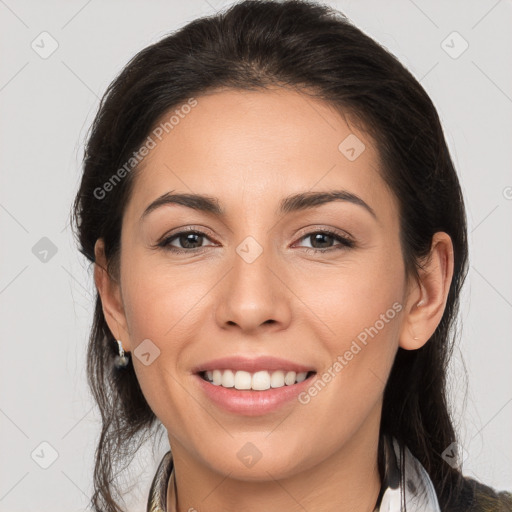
{"points": [[296, 355]]}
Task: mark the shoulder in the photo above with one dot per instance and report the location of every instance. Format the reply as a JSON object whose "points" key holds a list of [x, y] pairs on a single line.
{"points": [[475, 496]]}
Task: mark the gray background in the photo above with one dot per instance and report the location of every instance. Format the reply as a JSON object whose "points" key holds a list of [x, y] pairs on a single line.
{"points": [[47, 105]]}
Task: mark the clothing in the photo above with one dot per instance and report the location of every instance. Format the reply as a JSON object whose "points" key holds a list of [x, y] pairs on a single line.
{"points": [[419, 492]]}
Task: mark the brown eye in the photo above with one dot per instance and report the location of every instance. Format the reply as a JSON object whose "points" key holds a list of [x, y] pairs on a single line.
{"points": [[321, 241], [188, 241]]}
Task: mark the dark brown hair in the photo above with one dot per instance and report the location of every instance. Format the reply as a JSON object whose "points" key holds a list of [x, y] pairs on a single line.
{"points": [[312, 48]]}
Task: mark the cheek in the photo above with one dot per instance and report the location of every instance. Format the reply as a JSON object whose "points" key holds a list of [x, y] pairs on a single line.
{"points": [[346, 299], [358, 318], [159, 305], [161, 299]]}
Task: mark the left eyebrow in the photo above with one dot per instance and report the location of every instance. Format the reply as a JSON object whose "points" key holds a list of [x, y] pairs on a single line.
{"points": [[296, 202], [307, 200]]}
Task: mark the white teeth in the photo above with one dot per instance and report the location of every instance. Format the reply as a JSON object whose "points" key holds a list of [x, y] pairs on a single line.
{"points": [[228, 379], [277, 379], [242, 380], [258, 381], [261, 381], [289, 378], [217, 377], [301, 376]]}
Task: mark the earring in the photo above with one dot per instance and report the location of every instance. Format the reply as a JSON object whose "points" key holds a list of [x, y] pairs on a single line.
{"points": [[121, 361]]}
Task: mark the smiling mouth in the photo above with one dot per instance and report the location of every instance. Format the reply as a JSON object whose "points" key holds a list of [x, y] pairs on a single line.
{"points": [[254, 381]]}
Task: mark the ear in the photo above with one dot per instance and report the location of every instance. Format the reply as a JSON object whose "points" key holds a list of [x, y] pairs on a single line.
{"points": [[110, 293], [428, 295]]}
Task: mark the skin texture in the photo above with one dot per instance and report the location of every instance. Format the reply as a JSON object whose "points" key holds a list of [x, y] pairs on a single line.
{"points": [[250, 150]]}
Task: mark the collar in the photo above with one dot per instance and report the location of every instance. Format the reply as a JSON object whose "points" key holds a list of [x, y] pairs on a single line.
{"points": [[418, 492]]}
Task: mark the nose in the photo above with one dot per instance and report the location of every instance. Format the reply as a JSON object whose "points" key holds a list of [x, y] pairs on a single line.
{"points": [[254, 294]]}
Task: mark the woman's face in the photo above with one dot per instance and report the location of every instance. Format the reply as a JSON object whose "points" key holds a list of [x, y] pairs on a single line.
{"points": [[251, 286]]}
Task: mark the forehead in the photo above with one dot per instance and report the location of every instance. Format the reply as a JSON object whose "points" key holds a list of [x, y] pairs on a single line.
{"points": [[259, 145]]}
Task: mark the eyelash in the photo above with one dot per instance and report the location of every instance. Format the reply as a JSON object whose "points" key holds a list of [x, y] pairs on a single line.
{"points": [[345, 242]]}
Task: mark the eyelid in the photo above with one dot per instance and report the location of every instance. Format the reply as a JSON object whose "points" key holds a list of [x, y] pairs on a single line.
{"points": [[318, 228], [344, 239], [164, 242], [185, 229]]}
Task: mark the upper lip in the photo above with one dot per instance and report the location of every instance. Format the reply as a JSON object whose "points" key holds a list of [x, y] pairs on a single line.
{"points": [[252, 364]]}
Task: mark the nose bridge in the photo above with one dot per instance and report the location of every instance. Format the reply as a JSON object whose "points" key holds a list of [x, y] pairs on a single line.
{"points": [[253, 294]]}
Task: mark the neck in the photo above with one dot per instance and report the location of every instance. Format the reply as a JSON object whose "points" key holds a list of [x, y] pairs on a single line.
{"points": [[347, 481]]}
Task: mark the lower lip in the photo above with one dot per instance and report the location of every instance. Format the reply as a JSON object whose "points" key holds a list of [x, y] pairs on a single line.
{"points": [[252, 403]]}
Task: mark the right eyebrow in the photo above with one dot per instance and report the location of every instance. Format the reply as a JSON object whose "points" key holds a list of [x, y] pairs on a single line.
{"points": [[195, 201]]}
